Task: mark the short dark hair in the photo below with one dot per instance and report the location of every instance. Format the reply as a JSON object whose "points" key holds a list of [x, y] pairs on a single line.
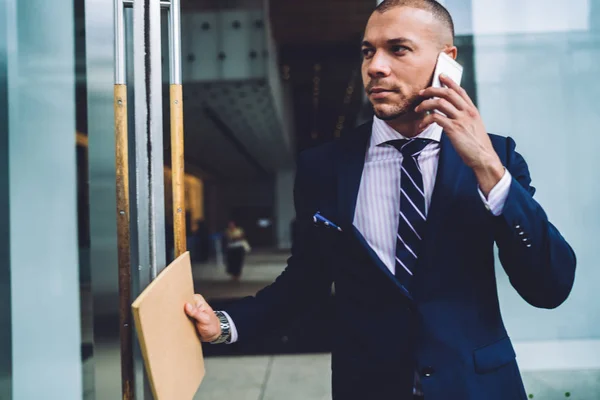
{"points": [[439, 11]]}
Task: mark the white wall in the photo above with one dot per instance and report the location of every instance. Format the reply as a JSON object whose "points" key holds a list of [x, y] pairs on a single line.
{"points": [[537, 68], [529, 16], [542, 90], [492, 17]]}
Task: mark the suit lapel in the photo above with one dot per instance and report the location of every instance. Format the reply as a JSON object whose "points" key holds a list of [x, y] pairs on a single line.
{"points": [[450, 174], [351, 162]]}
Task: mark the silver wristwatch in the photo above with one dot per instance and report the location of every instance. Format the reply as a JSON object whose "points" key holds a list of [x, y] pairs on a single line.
{"points": [[225, 335]]}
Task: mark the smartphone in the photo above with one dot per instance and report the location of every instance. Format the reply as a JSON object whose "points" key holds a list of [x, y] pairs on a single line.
{"points": [[448, 66]]}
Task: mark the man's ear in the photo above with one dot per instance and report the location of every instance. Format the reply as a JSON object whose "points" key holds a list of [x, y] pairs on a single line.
{"points": [[452, 51]]}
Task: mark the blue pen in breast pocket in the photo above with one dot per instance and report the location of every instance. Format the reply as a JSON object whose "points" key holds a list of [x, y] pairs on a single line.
{"points": [[318, 218]]}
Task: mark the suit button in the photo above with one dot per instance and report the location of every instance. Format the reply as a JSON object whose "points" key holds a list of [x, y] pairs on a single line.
{"points": [[427, 372]]}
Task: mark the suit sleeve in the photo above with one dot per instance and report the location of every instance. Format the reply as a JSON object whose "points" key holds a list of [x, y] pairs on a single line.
{"points": [[305, 282], [538, 260]]}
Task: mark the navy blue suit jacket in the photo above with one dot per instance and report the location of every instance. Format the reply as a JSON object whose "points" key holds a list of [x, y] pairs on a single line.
{"points": [[451, 330]]}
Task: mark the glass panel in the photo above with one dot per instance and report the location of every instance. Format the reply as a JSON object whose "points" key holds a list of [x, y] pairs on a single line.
{"points": [[536, 65]]}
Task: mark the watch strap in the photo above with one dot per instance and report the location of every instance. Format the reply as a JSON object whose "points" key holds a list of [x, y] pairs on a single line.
{"points": [[225, 335]]}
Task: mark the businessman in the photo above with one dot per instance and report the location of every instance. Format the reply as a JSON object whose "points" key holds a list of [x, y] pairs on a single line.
{"points": [[420, 198]]}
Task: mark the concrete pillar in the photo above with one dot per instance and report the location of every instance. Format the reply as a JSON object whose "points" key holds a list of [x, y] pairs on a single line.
{"points": [[284, 207], [39, 264], [5, 293]]}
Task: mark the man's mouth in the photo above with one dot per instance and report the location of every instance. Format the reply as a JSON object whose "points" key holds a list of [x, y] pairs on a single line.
{"points": [[379, 90], [380, 93]]}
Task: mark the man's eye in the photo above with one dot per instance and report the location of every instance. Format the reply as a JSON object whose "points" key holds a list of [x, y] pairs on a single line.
{"points": [[367, 53], [399, 49]]}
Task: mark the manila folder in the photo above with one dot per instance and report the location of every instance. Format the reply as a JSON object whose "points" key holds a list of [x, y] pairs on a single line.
{"points": [[170, 345]]}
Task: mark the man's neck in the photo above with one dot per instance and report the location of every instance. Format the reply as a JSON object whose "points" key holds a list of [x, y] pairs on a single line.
{"points": [[407, 125]]}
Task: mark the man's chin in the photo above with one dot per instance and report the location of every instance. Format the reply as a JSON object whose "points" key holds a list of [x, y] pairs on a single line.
{"points": [[389, 115]]}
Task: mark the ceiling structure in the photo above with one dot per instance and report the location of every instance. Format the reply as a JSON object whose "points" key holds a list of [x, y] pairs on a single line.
{"points": [[231, 131], [234, 121], [231, 128], [317, 22], [301, 22], [319, 51]]}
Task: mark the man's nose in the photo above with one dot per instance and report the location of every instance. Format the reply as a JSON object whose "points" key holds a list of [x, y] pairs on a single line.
{"points": [[379, 66]]}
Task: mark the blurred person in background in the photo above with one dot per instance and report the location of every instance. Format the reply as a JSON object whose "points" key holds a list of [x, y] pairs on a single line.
{"points": [[420, 198], [236, 246]]}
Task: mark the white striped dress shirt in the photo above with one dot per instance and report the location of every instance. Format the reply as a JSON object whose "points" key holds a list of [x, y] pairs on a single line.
{"points": [[378, 203]]}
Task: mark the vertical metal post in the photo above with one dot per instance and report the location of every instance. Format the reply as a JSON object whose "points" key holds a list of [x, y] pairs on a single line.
{"points": [[6, 360], [123, 215], [177, 143], [148, 137], [100, 70], [149, 206], [149, 247]]}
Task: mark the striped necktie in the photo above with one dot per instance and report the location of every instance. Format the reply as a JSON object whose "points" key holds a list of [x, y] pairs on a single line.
{"points": [[413, 213]]}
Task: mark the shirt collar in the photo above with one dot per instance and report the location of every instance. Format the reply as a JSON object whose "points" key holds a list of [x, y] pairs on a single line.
{"points": [[383, 133]]}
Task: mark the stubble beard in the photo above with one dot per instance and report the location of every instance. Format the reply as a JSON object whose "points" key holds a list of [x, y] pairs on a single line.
{"points": [[397, 110]]}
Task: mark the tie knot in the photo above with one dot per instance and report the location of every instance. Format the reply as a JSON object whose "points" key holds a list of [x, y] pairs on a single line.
{"points": [[410, 147]]}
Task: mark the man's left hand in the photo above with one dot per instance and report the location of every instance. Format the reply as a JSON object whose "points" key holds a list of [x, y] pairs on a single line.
{"points": [[465, 129]]}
